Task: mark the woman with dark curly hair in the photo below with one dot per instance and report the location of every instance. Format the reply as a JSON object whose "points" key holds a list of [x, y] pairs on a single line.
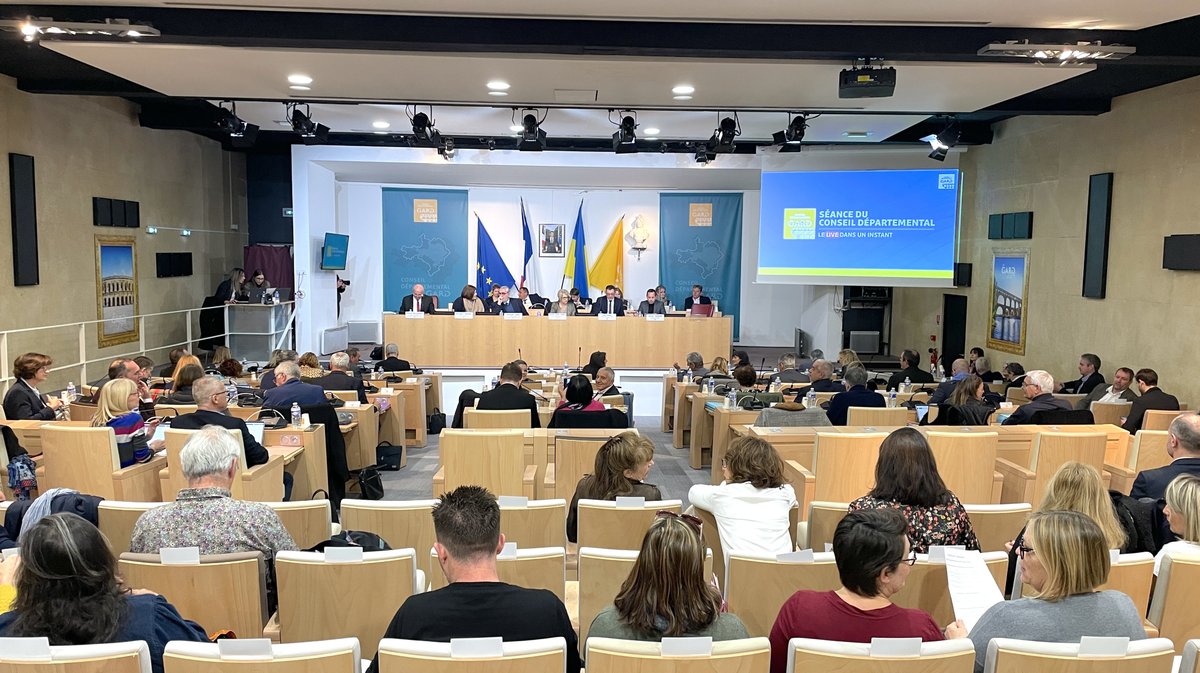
{"points": [[753, 503]]}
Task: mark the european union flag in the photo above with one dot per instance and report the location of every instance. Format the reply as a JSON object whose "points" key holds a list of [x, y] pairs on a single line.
{"points": [[489, 265]]}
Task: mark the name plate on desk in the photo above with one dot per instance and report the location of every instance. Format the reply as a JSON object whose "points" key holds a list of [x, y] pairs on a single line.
{"points": [[556, 316], [415, 315], [608, 316], [655, 317], [512, 316], [464, 315]]}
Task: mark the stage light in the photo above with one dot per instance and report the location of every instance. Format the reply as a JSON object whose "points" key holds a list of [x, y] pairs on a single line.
{"points": [[447, 150], [790, 138], [941, 142], [703, 155], [625, 139], [533, 138], [241, 133], [310, 132], [424, 132], [1061, 54], [721, 141]]}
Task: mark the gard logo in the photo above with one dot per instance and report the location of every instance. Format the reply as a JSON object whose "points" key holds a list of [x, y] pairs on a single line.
{"points": [[946, 180], [800, 224]]}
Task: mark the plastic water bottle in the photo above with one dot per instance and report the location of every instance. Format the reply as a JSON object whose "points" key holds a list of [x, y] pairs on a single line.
{"points": [[254, 376], [495, 382], [71, 390], [892, 400], [275, 297], [907, 385], [810, 400], [731, 399], [566, 372], [296, 414]]}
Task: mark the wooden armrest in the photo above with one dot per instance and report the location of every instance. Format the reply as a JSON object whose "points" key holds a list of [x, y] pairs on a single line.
{"points": [[1018, 482], [153, 465], [803, 483], [527, 481], [1151, 629], [1122, 478], [548, 480], [997, 487], [271, 630], [439, 481], [1106, 477], [274, 464]]}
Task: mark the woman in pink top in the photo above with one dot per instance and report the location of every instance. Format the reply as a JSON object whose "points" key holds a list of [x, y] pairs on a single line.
{"points": [[576, 395]]}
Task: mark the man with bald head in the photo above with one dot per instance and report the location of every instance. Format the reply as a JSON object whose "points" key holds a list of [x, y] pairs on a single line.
{"points": [[1183, 446], [124, 368], [821, 375], [417, 301], [945, 389]]}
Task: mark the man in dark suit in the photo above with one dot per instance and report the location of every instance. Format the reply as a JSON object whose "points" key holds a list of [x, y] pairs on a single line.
{"points": [[604, 382], [787, 372], [354, 360], [1089, 376], [1152, 397], [1119, 391], [211, 404], [651, 304], [417, 301], [391, 361], [696, 298], [530, 299], [945, 389], [123, 369], [821, 375], [1037, 388], [909, 361], [266, 379], [288, 389], [510, 395], [1183, 446], [503, 304], [340, 378], [855, 395], [608, 303]]}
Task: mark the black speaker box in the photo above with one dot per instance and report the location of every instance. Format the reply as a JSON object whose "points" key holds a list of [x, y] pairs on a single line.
{"points": [[962, 274], [23, 200], [1095, 247], [1181, 252]]}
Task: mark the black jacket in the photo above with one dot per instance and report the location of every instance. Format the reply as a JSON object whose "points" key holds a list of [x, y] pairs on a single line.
{"points": [[86, 506], [22, 404], [1154, 398], [1080, 386], [689, 302], [406, 304], [823, 386], [508, 396], [256, 454], [1044, 402], [343, 381], [913, 374], [1153, 483], [393, 364]]}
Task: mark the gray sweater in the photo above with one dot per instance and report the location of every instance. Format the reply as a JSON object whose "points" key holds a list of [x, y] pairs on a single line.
{"points": [[1103, 613], [608, 624]]}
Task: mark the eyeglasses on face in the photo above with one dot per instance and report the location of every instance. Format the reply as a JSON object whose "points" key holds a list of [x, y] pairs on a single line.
{"points": [[1024, 551], [911, 558], [695, 522]]}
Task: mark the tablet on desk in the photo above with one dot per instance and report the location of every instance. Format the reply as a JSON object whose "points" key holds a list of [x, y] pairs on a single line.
{"points": [[160, 433], [922, 410], [256, 431]]}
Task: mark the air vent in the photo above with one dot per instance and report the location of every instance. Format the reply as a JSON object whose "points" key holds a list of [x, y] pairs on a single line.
{"points": [[576, 96]]}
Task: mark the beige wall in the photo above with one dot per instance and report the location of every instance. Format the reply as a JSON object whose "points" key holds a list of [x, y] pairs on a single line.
{"points": [[1150, 141], [92, 146]]}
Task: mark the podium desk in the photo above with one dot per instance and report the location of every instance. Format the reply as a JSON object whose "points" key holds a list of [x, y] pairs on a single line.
{"points": [[254, 329], [391, 421], [415, 392], [363, 436]]}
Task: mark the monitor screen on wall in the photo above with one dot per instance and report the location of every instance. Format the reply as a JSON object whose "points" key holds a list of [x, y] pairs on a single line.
{"points": [[333, 254], [887, 227]]}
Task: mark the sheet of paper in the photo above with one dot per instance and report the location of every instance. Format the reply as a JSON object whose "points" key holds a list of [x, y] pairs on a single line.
{"points": [[972, 588]]}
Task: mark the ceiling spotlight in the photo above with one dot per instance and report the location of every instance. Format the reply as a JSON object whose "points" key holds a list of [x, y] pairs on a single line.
{"points": [[310, 132], [1058, 53], [299, 79], [241, 133], [533, 138], [447, 150], [682, 97], [33, 28], [790, 139], [423, 130], [497, 93], [625, 139], [380, 124], [703, 155], [941, 142], [151, 229], [721, 141], [498, 85], [684, 89], [185, 232]]}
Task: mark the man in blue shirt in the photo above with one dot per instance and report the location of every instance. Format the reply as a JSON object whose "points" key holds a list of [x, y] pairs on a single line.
{"points": [[289, 388], [856, 395], [945, 389]]}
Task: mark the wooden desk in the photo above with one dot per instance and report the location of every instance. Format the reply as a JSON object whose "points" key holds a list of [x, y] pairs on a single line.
{"points": [[668, 402], [701, 435], [29, 433], [724, 423], [362, 436], [310, 470], [391, 420], [443, 341], [682, 413], [413, 390]]}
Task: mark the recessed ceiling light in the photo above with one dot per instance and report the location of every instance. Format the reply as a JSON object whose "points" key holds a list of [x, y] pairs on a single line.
{"points": [[515, 128], [497, 85], [381, 133], [857, 134], [300, 87], [381, 124], [299, 79], [682, 97], [497, 93], [684, 89], [650, 131]]}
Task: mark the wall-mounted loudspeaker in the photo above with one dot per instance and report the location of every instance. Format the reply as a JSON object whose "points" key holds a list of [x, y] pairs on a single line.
{"points": [[1095, 247], [1181, 252], [115, 213], [962, 274], [173, 264], [24, 219]]}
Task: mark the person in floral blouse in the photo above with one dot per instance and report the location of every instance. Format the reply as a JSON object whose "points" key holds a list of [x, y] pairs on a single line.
{"points": [[907, 480]]}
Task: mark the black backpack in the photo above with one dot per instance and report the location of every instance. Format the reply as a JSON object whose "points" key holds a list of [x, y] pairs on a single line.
{"points": [[353, 538]]}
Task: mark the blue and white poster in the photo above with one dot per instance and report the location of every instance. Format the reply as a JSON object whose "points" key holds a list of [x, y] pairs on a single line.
{"points": [[701, 244], [1010, 285], [424, 241]]}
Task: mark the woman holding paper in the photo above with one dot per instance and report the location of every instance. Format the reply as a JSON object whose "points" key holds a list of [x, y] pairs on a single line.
{"points": [[1064, 557]]}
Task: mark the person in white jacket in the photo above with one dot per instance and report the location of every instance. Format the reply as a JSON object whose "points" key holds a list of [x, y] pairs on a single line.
{"points": [[752, 504]]}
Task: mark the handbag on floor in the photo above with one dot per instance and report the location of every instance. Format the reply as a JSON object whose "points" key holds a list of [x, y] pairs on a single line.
{"points": [[370, 483]]}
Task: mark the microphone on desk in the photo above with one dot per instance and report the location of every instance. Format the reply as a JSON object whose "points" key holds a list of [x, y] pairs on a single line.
{"points": [[579, 359], [519, 357], [762, 367]]}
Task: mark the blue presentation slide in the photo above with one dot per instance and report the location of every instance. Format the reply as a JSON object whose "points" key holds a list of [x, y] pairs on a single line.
{"points": [[859, 227]]}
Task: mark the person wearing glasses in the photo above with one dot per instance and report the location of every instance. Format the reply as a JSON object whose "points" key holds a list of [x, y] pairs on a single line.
{"points": [[1064, 558], [667, 593], [873, 559], [1038, 387], [23, 401], [753, 502], [621, 466]]}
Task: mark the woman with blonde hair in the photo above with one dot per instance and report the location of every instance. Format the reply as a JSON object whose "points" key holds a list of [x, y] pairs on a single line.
{"points": [[563, 305], [666, 593], [310, 366], [1064, 558], [220, 354], [181, 385], [1183, 516], [753, 503], [847, 357], [117, 409], [720, 367], [622, 464], [184, 361]]}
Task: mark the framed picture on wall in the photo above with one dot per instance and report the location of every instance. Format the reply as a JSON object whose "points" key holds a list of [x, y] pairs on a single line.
{"points": [[553, 240], [116, 290], [1010, 288]]}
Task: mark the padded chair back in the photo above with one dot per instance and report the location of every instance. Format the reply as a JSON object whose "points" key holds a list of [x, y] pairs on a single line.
{"points": [[966, 462], [844, 464], [533, 568], [613, 400], [1071, 398], [226, 591], [1156, 419], [948, 656], [573, 458], [1051, 449], [757, 586], [1007, 655], [1110, 412], [610, 655], [344, 395], [877, 417], [318, 599], [307, 521], [603, 524], [538, 523], [609, 418], [482, 419], [1133, 575], [82, 458], [1190, 662], [81, 411], [1063, 417], [927, 588], [37, 655], [705, 310], [401, 523], [1176, 594], [1016, 395], [321, 656], [823, 519], [996, 524], [548, 655], [175, 481], [117, 519], [1148, 451], [493, 459]]}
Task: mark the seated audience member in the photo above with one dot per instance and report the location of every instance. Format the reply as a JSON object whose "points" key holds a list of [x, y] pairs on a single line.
{"points": [[184, 362], [475, 603], [1065, 559], [846, 358], [172, 359], [624, 305], [609, 303], [510, 395], [739, 358], [909, 370], [530, 301], [821, 375], [855, 395], [145, 368], [1014, 375], [873, 559], [417, 301], [1037, 387], [667, 593], [972, 356], [524, 370], [651, 304], [68, 591], [1119, 391], [563, 305], [580, 301], [1150, 397], [577, 395], [596, 360], [391, 361], [967, 401], [792, 414], [753, 503], [23, 401], [219, 355], [8, 581], [1182, 514], [719, 370], [118, 410], [340, 378], [788, 373], [660, 293], [204, 514], [907, 480], [212, 403], [695, 366], [604, 382], [1076, 487], [123, 368], [622, 464], [697, 297], [1183, 446], [289, 388], [982, 369], [468, 301], [266, 379], [230, 368], [946, 388], [181, 386], [355, 358], [22, 514], [745, 377], [1089, 376], [310, 366]]}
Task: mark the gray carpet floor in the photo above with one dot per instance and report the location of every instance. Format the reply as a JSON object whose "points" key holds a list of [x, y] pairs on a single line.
{"points": [[671, 472]]}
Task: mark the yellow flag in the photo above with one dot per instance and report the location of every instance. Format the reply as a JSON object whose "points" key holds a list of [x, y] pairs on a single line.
{"points": [[609, 267]]}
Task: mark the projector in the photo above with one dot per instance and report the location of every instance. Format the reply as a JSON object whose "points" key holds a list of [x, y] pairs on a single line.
{"points": [[867, 83]]}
